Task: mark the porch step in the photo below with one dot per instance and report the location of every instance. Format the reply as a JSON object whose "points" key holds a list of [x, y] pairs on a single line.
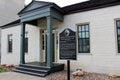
{"points": [[31, 73], [38, 69], [33, 70], [34, 66]]}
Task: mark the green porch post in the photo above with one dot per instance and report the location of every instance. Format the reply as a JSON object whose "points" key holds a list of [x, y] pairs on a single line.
{"points": [[22, 41], [49, 41]]}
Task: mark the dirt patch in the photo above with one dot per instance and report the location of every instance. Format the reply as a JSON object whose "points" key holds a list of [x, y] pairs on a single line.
{"points": [[88, 76]]}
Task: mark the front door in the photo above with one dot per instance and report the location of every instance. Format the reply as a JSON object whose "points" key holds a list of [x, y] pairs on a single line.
{"points": [[44, 46]]}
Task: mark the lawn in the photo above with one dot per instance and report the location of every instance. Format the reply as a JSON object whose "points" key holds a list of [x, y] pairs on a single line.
{"points": [[2, 70]]}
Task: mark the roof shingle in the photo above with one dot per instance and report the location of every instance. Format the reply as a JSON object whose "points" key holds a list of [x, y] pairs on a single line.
{"points": [[89, 5]]}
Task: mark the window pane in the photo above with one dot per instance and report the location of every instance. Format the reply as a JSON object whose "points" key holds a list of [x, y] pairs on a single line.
{"points": [[119, 46], [119, 42], [81, 49], [43, 42], [84, 49], [79, 35], [86, 28], [87, 42], [26, 44], [118, 31], [87, 34], [83, 34], [118, 37], [83, 28], [80, 28], [80, 42], [84, 41], [87, 48], [9, 43], [118, 23]]}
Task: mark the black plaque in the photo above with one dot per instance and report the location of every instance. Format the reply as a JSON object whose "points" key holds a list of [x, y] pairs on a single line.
{"points": [[67, 42]]}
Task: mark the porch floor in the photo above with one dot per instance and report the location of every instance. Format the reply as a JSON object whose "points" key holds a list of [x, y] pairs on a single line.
{"points": [[42, 64]]}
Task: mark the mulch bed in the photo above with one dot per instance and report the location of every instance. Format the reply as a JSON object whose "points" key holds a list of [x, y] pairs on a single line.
{"points": [[7, 68], [62, 75]]}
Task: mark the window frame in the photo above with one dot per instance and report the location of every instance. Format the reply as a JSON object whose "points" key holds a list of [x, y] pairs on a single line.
{"points": [[26, 36], [77, 25], [8, 46], [118, 45]]}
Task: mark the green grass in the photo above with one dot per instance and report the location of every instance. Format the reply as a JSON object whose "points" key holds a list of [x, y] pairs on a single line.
{"points": [[2, 70]]}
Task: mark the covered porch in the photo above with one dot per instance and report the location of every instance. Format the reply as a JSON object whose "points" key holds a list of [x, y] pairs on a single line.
{"points": [[32, 13]]}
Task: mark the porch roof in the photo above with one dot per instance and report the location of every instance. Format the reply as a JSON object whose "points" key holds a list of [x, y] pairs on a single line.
{"points": [[38, 9]]}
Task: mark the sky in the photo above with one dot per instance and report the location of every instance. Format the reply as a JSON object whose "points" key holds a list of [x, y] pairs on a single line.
{"points": [[61, 3]]}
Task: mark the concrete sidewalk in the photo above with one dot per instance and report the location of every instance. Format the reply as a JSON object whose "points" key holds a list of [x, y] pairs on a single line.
{"points": [[18, 76]]}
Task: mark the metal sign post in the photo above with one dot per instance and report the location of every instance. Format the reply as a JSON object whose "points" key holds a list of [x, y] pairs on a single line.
{"points": [[68, 69], [68, 47]]}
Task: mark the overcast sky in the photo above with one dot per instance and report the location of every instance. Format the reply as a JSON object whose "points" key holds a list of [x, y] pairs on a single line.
{"points": [[61, 3]]}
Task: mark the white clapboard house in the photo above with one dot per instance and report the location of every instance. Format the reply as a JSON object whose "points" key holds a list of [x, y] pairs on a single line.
{"points": [[33, 40]]}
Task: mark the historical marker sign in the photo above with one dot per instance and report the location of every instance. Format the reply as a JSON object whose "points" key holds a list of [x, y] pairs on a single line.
{"points": [[68, 44]]}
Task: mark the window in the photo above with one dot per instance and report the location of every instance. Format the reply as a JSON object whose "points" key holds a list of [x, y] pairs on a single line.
{"points": [[83, 38], [10, 42], [26, 42], [118, 34]]}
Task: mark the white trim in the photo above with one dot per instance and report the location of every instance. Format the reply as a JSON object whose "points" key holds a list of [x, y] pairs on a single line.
{"points": [[115, 33]]}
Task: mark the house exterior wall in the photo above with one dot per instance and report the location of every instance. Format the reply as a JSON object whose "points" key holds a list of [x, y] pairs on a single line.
{"points": [[103, 56], [33, 45]]}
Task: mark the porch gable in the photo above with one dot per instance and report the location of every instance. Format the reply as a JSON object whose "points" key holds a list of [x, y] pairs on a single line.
{"points": [[38, 9]]}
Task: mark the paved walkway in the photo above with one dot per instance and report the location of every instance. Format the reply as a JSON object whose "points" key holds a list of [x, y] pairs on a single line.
{"points": [[18, 76]]}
